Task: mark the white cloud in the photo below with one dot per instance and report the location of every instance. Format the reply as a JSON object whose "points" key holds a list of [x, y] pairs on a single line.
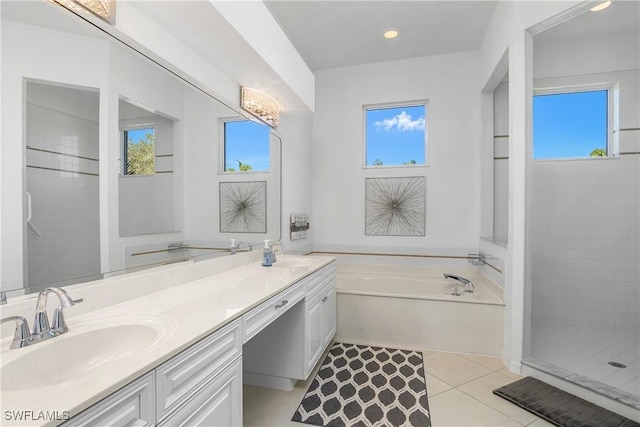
{"points": [[402, 122]]}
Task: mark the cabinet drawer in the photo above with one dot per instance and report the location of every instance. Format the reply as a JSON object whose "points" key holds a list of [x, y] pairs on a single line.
{"points": [[329, 272], [219, 403], [132, 405], [186, 373], [313, 283], [261, 316]]}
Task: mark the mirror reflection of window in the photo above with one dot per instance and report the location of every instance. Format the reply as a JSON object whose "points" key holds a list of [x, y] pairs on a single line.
{"points": [[246, 146], [140, 151]]}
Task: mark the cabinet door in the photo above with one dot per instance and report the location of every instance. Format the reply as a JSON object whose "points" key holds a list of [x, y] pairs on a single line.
{"points": [[218, 404], [329, 315], [314, 332], [132, 405]]}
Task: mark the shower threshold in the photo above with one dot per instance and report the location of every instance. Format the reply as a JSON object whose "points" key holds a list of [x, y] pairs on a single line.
{"points": [[625, 398]]}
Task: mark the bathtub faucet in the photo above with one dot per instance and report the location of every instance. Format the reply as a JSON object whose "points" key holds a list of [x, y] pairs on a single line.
{"points": [[468, 285]]}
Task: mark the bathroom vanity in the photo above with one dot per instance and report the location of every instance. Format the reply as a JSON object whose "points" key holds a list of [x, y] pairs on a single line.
{"points": [[177, 355]]}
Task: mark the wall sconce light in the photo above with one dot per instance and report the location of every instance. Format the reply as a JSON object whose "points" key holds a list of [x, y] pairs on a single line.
{"points": [[261, 106], [103, 9]]}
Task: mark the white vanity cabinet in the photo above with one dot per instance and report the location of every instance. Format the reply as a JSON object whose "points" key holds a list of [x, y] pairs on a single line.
{"points": [[203, 383], [320, 316], [291, 345], [133, 405], [201, 386], [274, 344]]}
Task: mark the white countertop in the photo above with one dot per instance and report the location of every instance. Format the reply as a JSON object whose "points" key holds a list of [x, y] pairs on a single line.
{"points": [[187, 313]]}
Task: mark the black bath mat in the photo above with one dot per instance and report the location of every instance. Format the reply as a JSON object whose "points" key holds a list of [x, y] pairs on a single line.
{"points": [[559, 407], [364, 386]]}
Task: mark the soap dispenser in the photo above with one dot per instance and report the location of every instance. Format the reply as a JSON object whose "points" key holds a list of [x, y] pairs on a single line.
{"points": [[267, 257]]}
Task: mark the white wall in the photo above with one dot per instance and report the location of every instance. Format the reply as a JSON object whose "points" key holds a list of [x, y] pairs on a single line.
{"points": [[507, 31], [451, 85]]}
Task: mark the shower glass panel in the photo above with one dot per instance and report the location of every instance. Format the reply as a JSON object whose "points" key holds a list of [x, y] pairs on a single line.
{"points": [[62, 178], [584, 213]]}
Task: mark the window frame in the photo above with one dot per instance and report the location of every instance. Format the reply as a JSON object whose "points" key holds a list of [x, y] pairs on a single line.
{"points": [[387, 105], [125, 146], [612, 114], [223, 145]]}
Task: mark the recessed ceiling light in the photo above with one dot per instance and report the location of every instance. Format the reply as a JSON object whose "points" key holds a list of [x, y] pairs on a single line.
{"points": [[390, 34], [601, 6]]}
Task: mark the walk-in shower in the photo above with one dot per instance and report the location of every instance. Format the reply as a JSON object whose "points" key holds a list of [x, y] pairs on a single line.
{"points": [[583, 204]]}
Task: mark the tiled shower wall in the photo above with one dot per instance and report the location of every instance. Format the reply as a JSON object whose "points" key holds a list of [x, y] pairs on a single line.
{"points": [[501, 163], [585, 245], [62, 178]]}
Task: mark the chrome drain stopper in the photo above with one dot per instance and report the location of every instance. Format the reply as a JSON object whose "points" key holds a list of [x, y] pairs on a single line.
{"points": [[617, 364]]}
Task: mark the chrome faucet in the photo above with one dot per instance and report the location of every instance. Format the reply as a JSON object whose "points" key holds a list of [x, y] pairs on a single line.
{"points": [[468, 285], [273, 252], [235, 247], [42, 331], [22, 336]]}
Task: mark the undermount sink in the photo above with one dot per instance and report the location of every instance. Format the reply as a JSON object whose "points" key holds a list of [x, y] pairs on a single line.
{"points": [[83, 351], [295, 262]]}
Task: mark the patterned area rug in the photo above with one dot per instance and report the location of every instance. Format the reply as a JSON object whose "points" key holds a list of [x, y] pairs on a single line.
{"points": [[367, 386]]}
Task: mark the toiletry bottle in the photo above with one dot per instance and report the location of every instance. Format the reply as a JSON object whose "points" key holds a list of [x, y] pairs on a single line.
{"points": [[266, 255]]}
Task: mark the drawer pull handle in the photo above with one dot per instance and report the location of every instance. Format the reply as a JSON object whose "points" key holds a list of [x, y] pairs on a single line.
{"points": [[282, 304]]}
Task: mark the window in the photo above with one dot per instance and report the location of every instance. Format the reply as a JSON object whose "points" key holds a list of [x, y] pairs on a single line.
{"points": [[395, 134], [571, 123], [140, 151], [246, 146]]}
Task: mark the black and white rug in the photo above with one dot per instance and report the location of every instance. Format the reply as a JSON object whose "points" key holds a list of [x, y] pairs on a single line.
{"points": [[367, 386]]}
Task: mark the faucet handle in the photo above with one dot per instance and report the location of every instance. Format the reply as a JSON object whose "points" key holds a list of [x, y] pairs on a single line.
{"points": [[22, 335], [59, 326]]}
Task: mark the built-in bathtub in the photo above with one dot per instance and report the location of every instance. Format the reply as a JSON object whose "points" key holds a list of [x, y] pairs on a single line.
{"points": [[413, 307]]}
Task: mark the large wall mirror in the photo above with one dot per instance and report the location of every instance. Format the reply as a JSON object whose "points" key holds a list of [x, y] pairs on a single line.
{"points": [[112, 163]]}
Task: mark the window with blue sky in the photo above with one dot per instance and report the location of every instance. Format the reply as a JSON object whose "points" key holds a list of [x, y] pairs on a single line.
{"points": [[140, 151], [570, 125], [396, 135], [246, 146]]}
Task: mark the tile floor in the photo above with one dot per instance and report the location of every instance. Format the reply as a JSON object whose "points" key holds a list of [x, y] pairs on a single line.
{"points": [[587, 351], [459, 387]]}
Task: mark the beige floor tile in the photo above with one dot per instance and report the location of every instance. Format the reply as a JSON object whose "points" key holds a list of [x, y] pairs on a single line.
{"points": [[435, 386], [540, 423], [454, 408], [452, 368], [268, 407], [493, 363], [482, 390], [508, 373]]}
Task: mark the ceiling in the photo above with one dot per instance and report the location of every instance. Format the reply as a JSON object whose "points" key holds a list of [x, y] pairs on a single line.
{"points": [[622, 17], [331, 34]]}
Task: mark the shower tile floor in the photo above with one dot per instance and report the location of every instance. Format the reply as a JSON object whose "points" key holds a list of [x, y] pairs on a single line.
{"points": [[587, 351]]}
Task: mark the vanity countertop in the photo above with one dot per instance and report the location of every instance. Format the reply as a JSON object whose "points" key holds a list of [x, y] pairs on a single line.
{"points": [[184, 314]]}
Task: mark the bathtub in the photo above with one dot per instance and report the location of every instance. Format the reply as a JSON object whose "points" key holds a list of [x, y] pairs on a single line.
{"points": [[413, 307]]}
